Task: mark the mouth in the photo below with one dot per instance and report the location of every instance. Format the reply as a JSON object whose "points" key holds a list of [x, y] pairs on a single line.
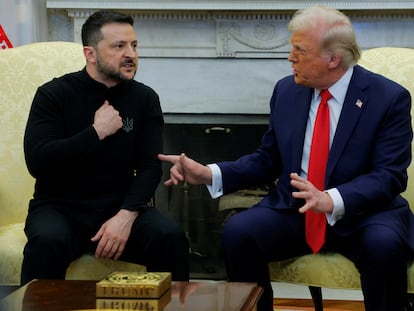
{"points": [[128, 65]]}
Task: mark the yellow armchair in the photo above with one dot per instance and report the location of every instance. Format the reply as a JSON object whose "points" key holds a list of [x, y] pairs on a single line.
{"points": [[22, 70], [334, 270]]}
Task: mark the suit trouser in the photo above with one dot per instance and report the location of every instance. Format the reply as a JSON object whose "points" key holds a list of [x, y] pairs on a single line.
{"points": [[259, 235], [56, 238]]}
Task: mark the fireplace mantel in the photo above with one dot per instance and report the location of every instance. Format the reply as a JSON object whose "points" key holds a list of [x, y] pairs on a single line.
{"points": [[217, 56], [241, 29]]}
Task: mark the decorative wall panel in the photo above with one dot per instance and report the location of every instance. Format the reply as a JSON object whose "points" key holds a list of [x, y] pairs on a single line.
{"points": [[225, 56]]}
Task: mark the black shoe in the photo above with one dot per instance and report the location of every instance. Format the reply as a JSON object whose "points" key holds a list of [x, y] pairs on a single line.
{"points": [[410, 303]]}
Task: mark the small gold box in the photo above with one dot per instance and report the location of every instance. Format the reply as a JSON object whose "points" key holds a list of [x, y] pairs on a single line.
{"points": [[134, 285]]}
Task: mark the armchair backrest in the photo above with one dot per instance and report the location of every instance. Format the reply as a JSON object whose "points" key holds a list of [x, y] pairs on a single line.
{"points": [[22, 70], [396, 64]]}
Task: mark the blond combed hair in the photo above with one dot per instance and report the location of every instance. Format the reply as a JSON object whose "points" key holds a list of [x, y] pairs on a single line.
{"points": [[333, 28]]}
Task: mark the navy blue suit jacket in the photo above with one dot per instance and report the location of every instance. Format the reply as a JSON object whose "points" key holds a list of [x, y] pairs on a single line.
{"points": [[367, 162]]}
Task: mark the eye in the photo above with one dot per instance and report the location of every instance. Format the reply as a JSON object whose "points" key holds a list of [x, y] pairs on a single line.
{"points": [[119, 46], [302, 51]]}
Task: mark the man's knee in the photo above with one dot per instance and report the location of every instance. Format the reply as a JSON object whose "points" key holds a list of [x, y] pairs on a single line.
{"points": [[48, 245], [383, 248]]}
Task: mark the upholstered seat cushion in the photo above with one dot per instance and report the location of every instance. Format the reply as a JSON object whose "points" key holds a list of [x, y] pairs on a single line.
{"points": [[88, 267], [330, 270], [12, 240]]}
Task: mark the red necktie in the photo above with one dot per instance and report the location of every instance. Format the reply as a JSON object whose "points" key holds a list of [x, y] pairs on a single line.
{"points": [[318, 158]]}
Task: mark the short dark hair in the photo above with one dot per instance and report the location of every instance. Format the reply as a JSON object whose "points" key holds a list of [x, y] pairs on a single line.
{"points": [[91, 29]]}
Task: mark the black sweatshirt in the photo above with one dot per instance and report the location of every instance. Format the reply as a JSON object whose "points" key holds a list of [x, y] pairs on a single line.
{"points": [[69, 162]]}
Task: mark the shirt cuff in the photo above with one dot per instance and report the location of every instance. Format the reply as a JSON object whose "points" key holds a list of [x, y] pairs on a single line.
{"points": [[216, 187], [338, 207]]}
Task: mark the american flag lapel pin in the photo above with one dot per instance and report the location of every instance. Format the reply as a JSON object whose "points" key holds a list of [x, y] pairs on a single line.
{"points": [[359, 103]]}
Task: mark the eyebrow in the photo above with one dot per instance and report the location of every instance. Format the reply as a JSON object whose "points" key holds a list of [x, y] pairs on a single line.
{"points": [[125, 42]]}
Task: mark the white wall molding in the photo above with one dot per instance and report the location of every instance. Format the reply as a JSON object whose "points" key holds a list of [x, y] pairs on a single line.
{"points": [[244, 34], [248, 5]]}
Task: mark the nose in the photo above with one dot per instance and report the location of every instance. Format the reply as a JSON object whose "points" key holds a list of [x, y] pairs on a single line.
{"points": [[131, 51], [291, 57]]}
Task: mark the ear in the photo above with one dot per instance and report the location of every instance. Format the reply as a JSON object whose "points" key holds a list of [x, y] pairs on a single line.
{"points": [[334, 61], [90, 54]]}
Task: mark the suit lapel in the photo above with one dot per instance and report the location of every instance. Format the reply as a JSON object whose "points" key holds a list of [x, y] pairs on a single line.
{"points": [[301, 103], [353, 106]]}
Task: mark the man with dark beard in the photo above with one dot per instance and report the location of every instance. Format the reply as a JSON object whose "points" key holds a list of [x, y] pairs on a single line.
{"points": [[91, 142]]}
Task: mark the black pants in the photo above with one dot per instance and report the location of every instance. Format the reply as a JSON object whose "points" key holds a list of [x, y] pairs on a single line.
{"points": [[57, 236]]}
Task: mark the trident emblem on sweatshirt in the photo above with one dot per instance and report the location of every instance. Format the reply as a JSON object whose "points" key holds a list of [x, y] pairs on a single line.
{"points": [[128, 124]]}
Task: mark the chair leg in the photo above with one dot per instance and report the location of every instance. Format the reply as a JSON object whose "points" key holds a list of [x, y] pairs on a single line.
{"points": [[316, 293]]}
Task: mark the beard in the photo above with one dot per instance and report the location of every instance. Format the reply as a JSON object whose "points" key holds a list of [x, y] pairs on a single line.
{"points": [[112, 73]]}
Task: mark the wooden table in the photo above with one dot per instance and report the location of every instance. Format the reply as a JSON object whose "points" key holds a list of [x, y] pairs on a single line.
{"points": [[60, 295]]}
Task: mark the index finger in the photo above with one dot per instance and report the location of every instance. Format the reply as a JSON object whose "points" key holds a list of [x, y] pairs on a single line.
{"points": [[168, 158]]}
